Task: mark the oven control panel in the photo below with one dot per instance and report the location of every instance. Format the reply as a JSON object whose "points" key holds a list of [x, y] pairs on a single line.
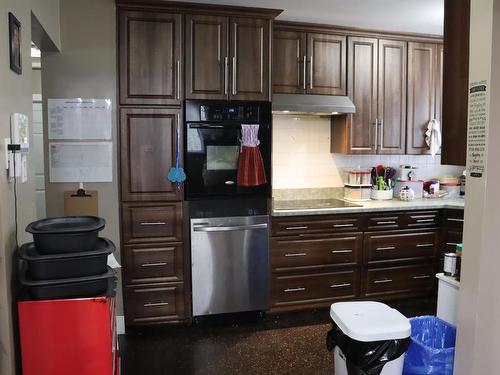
{"points": [[228, 112]]}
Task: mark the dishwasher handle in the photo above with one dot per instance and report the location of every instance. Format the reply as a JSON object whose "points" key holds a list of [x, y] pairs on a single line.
{"points": [[229, 228]]}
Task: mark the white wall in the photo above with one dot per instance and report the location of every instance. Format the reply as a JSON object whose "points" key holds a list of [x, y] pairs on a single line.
{"points": [[302, 157]]}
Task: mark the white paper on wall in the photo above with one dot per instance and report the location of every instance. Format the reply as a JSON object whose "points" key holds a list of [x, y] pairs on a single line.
{"points": [[81, 161], [83, 119]]}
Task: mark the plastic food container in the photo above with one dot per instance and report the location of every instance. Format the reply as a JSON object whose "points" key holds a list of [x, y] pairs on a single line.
{"points": [[60, 266], [452, 188], [75, 287], [359, 176], [65, 234], [357, 192], [381, 195]]}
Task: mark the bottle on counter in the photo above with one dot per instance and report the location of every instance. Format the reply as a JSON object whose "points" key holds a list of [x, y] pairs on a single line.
{"points": [[450, 264]]}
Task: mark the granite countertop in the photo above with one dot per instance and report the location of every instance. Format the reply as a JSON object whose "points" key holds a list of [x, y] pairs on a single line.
{"points": [[300, 195]]}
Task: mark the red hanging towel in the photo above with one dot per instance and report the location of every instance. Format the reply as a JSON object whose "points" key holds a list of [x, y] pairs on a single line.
{"points": [[251, 170]]}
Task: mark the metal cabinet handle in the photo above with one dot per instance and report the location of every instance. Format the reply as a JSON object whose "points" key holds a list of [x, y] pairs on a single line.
{"points": [[451, 243], [343, 225], [151, 223], [385, 281], [421, 277], [375, 142], [178, 79], [296, 255], [229, 228], [385, 222], [425, 220], [290, 290], [425, 245], [342, 251], [305, 73], [423, 216], [226, 75], [311, 73], [340, 285], [296, 228], [158, 264], [155, 304], [381, 124], [234, 75], [385, 248], [454, 219]]}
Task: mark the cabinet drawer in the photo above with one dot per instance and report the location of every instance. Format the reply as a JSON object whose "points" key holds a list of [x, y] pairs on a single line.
{"points": [[327, 224], [422, 219], [154, 303], [308, 253], [454, 219], [390, 221], [405, 279], [152, 223], [153, 263], [311, 288], [397, 246]]}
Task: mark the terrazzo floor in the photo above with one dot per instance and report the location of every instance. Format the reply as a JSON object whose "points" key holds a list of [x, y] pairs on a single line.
{"points": [[292, 343]]}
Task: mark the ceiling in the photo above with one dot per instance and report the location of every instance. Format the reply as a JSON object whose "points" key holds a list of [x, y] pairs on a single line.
{"points": [[416, 16]]}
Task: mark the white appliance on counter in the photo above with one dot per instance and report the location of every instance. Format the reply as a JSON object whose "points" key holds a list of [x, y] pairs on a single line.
{"points": [[447, 304]]}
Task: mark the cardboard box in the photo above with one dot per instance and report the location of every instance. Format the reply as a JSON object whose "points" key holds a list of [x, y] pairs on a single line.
{"points": [[81, 205]]}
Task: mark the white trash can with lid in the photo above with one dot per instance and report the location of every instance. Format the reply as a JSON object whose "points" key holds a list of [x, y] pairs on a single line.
{"points": [[368, 338]]}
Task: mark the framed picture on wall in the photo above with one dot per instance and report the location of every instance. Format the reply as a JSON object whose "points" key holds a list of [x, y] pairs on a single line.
{"points": [[15, 44]]}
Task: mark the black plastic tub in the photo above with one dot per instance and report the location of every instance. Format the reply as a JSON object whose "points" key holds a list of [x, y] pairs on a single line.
{"points": [[61, 266], [69, 234], [76, 287]]}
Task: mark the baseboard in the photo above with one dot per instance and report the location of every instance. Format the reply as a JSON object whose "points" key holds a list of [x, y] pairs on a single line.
{"points": [[120, 324]]}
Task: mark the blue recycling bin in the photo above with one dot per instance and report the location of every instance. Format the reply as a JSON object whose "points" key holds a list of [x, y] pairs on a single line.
{"points": [[432, 347]]}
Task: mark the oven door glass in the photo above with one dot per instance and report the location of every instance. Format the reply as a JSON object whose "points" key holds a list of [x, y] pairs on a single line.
{"points": [[211, 160]]}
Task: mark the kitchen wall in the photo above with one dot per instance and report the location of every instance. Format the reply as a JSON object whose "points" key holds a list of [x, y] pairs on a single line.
{"points": [[302, 157], [85, 68], [16, 96]]}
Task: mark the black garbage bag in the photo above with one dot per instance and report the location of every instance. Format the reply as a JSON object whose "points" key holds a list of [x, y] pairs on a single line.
{"points": [[365, 358]]}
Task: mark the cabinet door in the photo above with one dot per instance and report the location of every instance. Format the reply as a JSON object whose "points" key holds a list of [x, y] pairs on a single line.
{"points": [[362, 89], [392, 56], [289, 62], [455, 81], [150, 58], [327, 64], [148, 145], [206, 57], [250, 58], [438, 110], [421, 95]]}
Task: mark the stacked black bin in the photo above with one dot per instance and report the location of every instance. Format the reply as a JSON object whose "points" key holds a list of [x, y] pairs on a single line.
{"points": [[67, 259]]}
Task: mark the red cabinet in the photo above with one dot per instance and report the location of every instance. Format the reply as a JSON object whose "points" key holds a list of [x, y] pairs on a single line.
{"points": [[69, 336]]}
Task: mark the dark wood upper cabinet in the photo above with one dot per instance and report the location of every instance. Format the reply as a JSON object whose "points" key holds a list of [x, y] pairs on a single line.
{"points": [[207, 65], [362, 89], [455, 81], [148, 147], [250, 55], [150, 58], [422, 76], [391, 114], [289, 62], [326, 55]]}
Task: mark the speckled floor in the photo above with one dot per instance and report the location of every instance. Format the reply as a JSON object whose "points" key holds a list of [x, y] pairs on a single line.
{"points": [[276, 345]]}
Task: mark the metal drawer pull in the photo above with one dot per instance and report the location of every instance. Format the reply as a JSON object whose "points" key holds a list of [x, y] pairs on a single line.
{"points": [[230, 228], [155, 304], [340, 285], [385, 281], [385, 222], [451, 243], [386, 248], [296, 228], [289, 290], [457, 220], [158, 264], [422, 216], [296, 255], [341, 251], [425, 220], [421, 277], [425, 245], [343, 225], [154, 223]]}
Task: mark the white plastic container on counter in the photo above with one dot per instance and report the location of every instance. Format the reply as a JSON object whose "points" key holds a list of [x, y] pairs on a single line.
{"points": [[381, 195], [452, 188], [359, 176], [357, 193]]}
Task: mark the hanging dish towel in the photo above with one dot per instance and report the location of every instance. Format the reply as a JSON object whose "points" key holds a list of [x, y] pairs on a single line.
{"points": [[251, 170], [433, 136]]}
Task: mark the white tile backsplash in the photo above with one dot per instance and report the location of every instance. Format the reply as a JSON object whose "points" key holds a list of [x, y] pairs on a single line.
{"points": [[302, 157]]}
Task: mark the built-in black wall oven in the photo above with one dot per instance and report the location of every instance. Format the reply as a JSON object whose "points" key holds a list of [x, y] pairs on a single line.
{"points": [[212, 147]]}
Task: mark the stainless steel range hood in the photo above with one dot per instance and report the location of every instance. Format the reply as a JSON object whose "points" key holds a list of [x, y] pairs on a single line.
{"points": [[312, 104]]}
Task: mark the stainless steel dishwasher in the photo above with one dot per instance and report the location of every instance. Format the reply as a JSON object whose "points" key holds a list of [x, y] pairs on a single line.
{"points": [[230, 264]]}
